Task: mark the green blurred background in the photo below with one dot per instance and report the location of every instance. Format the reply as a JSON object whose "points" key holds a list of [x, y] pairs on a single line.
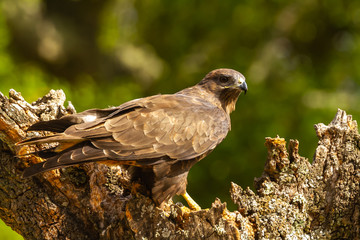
{"points": [[301, 60]]}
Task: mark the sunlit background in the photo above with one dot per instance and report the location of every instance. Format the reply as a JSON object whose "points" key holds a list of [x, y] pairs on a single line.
{"points": [[301, 60]]}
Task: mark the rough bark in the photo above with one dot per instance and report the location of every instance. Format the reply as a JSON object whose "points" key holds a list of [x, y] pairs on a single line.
{"points": [[294, 199]]}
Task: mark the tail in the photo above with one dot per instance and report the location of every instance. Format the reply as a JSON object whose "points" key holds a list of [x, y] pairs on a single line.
{"points": [[51, 155], [59, 137], [61, 124], [71, 150], [66, 143], [57, 125], [48, 165], [79, 153]]}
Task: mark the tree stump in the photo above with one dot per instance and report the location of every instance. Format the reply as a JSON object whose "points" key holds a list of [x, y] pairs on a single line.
{"points": [[294, 199]]}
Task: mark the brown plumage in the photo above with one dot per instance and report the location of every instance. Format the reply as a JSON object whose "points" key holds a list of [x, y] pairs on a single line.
{"points": [[162, 136]]}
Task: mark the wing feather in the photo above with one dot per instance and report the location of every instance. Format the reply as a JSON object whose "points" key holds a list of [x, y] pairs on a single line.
{"points": [[163, 130], [159, 129], [118, 124]]}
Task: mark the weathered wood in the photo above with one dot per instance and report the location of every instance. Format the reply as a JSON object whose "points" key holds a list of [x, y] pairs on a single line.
{"points": [[294, 199]]}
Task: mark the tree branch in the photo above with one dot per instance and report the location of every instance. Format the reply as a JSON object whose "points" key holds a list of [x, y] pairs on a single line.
{"points": [[294, 199]]}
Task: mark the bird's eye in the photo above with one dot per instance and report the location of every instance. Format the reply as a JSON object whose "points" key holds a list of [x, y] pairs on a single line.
{"points": [[224, 79]]}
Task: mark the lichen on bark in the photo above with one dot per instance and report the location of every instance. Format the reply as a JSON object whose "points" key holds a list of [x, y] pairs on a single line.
{"points": [[293, 199]]}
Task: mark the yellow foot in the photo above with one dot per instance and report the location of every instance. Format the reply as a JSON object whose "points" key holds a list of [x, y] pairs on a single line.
{"points": [[192, 204]]}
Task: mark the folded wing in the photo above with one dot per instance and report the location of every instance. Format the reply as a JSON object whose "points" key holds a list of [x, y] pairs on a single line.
{"points": [[142, 132]]}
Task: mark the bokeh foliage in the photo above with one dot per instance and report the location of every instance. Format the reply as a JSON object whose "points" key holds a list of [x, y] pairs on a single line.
{"points": [[300, 59]]}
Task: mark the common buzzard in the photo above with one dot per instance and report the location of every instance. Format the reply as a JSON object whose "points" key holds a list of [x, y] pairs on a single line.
{"points": [[161, 136]]}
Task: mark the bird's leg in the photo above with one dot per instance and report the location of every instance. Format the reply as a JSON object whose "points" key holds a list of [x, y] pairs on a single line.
{"points": [[192, 204]]}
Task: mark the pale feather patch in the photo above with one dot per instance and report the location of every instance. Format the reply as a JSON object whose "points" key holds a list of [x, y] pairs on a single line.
{"points": [[89, 118]]}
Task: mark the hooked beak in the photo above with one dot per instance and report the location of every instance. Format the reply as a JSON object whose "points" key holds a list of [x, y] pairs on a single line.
{"points": [[243, 86]]}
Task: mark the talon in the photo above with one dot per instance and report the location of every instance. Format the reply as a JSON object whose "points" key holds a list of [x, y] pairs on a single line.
{"points": [[192, 204]]}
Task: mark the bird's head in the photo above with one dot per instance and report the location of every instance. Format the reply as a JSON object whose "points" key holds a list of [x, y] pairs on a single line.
{"points": [[227, 85]]}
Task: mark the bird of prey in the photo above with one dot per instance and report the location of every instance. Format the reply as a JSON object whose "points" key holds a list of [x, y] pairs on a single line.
{"points": [[162, 136]]}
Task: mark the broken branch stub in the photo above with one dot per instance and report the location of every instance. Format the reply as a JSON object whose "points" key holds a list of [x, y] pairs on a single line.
{"points": [[299, 200]]}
